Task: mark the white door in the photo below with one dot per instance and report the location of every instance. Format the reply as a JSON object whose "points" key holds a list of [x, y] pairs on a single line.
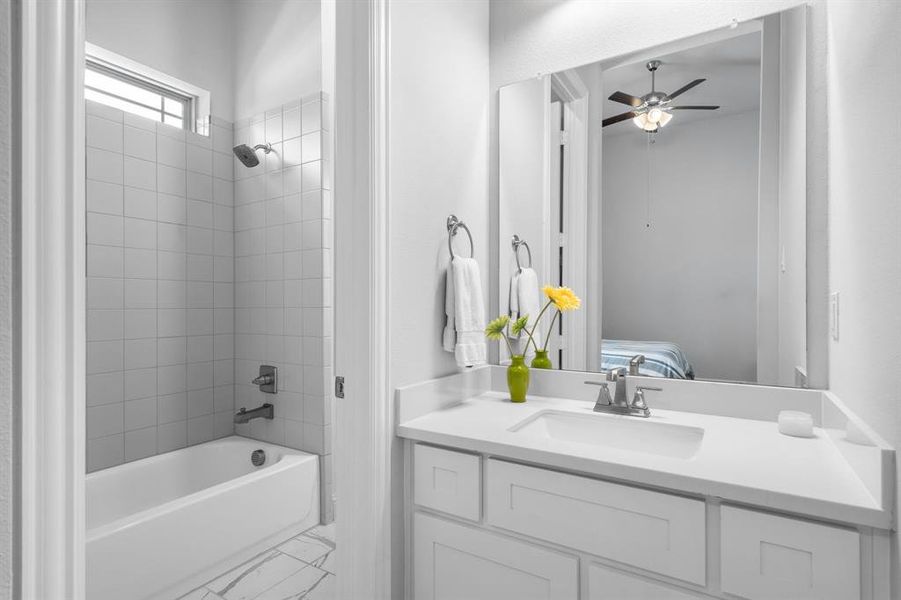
{"points": [[455, 562]]}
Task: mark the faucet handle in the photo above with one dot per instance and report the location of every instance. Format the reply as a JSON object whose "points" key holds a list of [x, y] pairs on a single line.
{"points": [[638, 399], [615, 374], [604, 398]]}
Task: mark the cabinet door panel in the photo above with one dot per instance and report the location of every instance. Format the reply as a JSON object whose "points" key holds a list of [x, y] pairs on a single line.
{"points": [[770, 557], [455, 562], [650, 530], [605, 583], [447, 481]]}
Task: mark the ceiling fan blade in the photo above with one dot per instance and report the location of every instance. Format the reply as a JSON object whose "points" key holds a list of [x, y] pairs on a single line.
{"points": [[686, 87], [621, 117], [624, 98], [693, 107]]}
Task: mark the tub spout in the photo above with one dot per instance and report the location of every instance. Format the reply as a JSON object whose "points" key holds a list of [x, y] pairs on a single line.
{"points": [[267, 411]]}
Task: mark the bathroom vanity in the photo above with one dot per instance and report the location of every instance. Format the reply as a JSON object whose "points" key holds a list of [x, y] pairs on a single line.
{"points": [[705, 498]]}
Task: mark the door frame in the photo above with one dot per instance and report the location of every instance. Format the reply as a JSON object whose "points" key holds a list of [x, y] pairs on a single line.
{"points": [[363, 425], [51, 176]]}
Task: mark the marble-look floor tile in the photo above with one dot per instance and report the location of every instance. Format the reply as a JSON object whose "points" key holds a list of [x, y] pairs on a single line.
{"points": [[201, 594], [254, 577], [326, 531], [307, 547], [297, 586], [326, 562], [326, 590]]}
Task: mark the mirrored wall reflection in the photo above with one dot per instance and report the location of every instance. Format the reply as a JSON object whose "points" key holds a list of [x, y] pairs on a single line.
{"points": [[668, 189]]}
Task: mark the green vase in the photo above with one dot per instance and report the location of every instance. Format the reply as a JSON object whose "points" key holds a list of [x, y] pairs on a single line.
{"points": [[541, 361], [518, 379]]}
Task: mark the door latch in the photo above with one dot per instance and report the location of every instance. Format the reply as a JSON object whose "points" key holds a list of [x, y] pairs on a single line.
{"points": [[339, 386]]}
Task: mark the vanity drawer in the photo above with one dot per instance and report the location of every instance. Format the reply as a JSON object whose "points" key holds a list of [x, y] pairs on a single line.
{"points": [[447, 481], [766, 556], [650, 530]]}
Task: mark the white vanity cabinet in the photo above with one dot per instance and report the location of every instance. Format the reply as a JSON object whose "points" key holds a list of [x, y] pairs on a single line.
{"points": [[482, 527]]}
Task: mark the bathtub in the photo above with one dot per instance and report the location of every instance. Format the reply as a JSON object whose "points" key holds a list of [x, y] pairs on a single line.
{"points": [[161, 526]]}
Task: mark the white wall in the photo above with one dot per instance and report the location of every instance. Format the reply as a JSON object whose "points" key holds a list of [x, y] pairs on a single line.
{"points": [[438, 127], [437, 165], [691, 277], [277, 53], [865, 216], [191, 41]]}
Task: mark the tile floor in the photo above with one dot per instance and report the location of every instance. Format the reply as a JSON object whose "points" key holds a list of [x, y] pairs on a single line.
{"points": [[303, 568]]}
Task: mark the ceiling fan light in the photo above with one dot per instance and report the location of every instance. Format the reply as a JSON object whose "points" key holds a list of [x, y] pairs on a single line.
{"points": [[641, 121], [665, 118], [654, 115]]}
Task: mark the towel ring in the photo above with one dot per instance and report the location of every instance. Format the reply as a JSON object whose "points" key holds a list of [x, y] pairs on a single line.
{"points": [[516, 243], [453, 223]]}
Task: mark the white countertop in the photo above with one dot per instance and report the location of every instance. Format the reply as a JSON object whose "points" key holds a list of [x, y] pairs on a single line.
{"points": [[740, 460]]}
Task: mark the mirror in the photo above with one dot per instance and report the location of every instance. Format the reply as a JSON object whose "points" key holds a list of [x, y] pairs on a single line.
{"points": [[667, 188]]}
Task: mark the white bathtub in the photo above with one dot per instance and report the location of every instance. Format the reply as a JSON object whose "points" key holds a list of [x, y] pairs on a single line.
{"points": [[159, 527]]}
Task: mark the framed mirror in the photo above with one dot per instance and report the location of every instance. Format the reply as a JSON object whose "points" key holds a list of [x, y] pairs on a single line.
{"points": [[668, 189]]}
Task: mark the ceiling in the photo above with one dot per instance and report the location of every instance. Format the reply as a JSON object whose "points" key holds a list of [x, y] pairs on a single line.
{"points": [[732, 69]]}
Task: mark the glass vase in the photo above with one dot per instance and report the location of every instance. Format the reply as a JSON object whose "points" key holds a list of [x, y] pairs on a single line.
{"points": [[541, 360], [518, 378]]}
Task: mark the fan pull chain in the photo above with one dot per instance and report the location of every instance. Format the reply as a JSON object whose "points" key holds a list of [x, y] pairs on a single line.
{"points": [[648, 190]]}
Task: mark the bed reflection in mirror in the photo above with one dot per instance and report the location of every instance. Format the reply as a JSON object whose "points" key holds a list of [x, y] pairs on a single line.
{"points": [[668, 188]]}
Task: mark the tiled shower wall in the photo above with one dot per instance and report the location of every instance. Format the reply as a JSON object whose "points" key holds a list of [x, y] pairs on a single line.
{"points": [[283, 285], [160, 322]]}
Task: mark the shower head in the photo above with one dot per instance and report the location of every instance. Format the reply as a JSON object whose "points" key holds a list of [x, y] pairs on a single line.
{"points": [[248, 155]]}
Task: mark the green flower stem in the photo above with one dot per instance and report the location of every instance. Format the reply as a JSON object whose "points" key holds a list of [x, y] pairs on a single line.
{"points": [[550, 330], [535, 326], [509, 347]]}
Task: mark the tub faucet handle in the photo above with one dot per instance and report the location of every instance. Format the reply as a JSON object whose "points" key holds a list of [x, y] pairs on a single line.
{"points": [[267, 379]]}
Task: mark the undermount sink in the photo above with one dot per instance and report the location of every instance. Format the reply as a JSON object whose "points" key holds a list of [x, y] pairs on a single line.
{"points": [[622, 433]]}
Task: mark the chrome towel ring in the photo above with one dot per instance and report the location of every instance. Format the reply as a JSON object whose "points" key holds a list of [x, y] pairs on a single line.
{"points": [[516, 243], [453, 223]]}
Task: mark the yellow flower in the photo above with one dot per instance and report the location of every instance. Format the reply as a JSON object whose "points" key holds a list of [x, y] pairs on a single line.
{"points": [[563, 298]]}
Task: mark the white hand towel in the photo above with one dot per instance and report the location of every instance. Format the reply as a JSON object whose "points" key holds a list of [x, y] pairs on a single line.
{"points": [[469, 313], [529, 301], [513, 297], [449, 339]]}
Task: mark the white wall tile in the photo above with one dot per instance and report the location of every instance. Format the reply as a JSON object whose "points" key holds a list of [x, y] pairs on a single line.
{"points": [[104, 293], [140, 204], [171, 294], [171, 322], [171, 351], [140, 293], [171, 408], [200, 401], [140, 173], [140, 413], [140, 383], [103, 133], [171, 436], [140, 353], [140, 264], [102, 165], [105, 452], [140, 233], [171, 180], [199, 186], [171, 237], [140, 443], [102, 110], [104, 357], [171, 379], [311, 117], [104, 229], [311, 147], [223, 165], [171, 265], [200, 213], [105, 388], [103, 197], [105, 325], [199, 240], [200, 429], [170, 151], [171, 209], [140, 143], [200, 160]]}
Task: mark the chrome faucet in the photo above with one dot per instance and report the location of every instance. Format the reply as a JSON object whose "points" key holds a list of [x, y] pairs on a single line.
{"points": [[618, 404], [267, 411]]}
